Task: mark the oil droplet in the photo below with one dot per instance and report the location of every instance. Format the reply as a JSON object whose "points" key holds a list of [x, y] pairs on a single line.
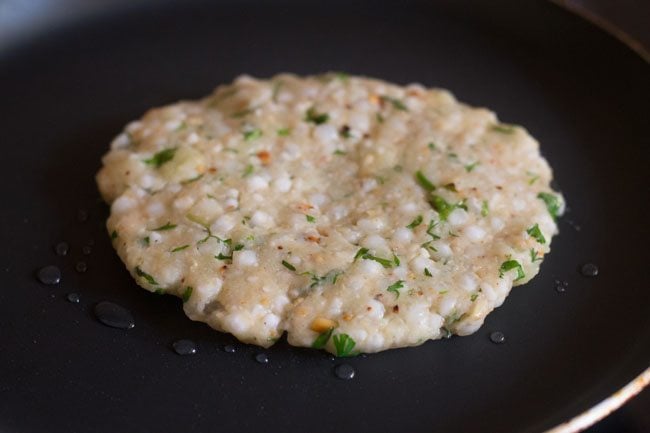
{"points": [[86, 250], [82, 215], [61, 249], [589, 270], [561, 286], [73, 297], [497, 337], [114, 315], [575, 226], [229, 348], [344, 371], [184, 347], [49, 275], [81, 267], [262, 358]]}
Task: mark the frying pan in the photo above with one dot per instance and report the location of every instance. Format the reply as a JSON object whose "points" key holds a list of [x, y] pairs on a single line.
{"points": [[66, 91]]}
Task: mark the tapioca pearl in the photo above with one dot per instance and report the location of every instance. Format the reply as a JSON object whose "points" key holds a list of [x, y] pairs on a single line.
{"points": [[497, 224], [374, 342], [120, 142], [458, 217], [193, 138], [261, 219], [245, 258], [375, 242], [282, 184], [319, 199], [370, 267], [205, 292], [402, 236], [369, 225], [231, 204], [420, 263], [326, 133], [468, 282], [374, 309], [123, 204], [237, 322], [518, 205], [443, 249], [257, 183], [475, 233], [335, 307], [271, 321], [409, 208], [155, 209], [359, 121], [368, 184], [338, 212], [183, 203], [279, 302], [447, 304], [224, 224], [146, 181]]}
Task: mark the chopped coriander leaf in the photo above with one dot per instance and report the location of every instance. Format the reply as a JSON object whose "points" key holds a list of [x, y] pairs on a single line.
{"points": [[533, 177], [394, 288], [168, 226], [533, 256], [252, 134], [187, 294], [422, 180], [398, 168], [222, 256], [159, 291], [452, 155], [181, 248], [315, 117], [238, 247], [140, 273], [344, 344], [416, 222], [441, 206], [386, 263], [248, 170], [536, 233], [288, 265], [283, 132], [462, 205], [396, 260], [379, 117], [146, 241], [161, 157], [484, 208], [473, 297], [345, 131], [310, 218], [343, 76], [360, 253], [396, 103], [503, 128], [193, 179], [114, 235], [450, 187], [553, 203], [340, 152], [322, 339], [430, 227], [432, 146], [470, 167], [427, 272], [509, 265]]}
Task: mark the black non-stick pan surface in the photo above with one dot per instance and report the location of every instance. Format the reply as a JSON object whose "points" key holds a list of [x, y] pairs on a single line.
{"points": [[66, 92]]}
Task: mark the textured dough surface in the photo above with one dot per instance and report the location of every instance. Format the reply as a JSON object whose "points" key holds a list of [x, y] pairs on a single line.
{"points": [[350, 213]]}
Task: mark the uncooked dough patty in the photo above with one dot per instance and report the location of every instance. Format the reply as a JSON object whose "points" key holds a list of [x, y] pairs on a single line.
{"points": [[350, 213]]}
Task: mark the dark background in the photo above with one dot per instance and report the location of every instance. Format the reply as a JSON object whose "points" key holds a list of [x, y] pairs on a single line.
{"points": [[631, 16]]}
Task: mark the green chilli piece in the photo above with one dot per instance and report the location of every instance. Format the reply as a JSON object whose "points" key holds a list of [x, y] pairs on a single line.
{"points": [[425, 183], [416, 222], [394, 288], [509, 265], [322, 339], [161, 157], [344, 344], [536, 233], [140, 273], [553, 203], [187, 294], [315, 117]]}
